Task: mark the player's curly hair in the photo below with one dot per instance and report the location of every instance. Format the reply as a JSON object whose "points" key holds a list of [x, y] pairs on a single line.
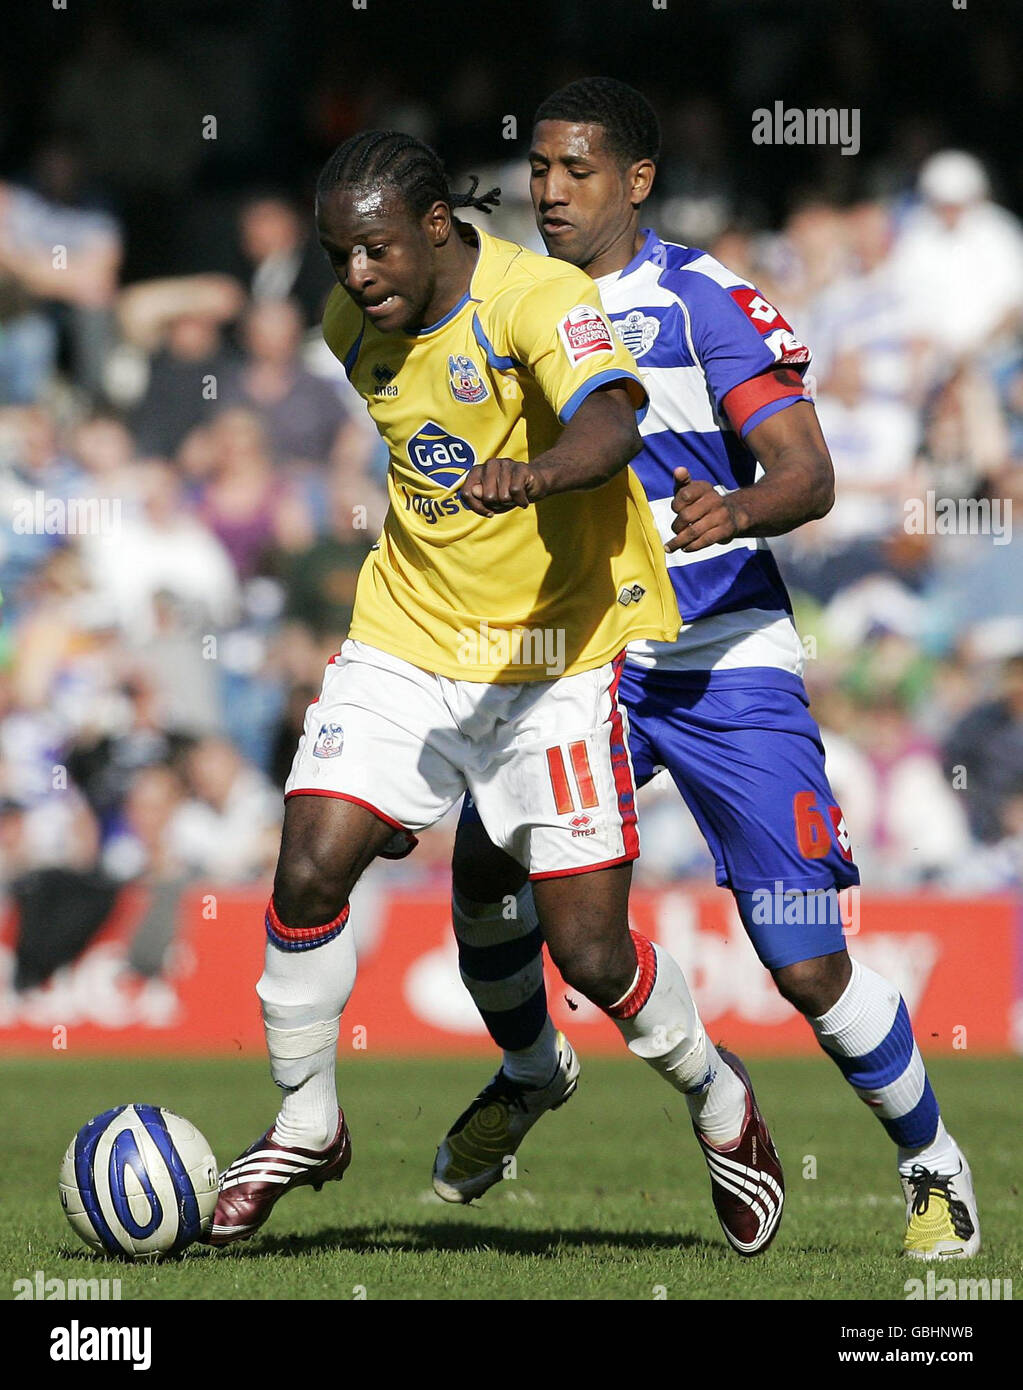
{"points": [[388, 159], [631, 126]]}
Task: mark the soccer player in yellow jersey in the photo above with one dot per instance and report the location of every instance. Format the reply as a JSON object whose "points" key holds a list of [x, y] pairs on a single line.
{"points": [[518, 557]]}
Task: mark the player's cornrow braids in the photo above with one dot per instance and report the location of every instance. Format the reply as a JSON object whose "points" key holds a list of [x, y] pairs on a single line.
{"points": [[390, 159], [632, 129], [470, 200]]}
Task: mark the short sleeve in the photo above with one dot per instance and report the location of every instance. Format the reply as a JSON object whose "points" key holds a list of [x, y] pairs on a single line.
{"points": [[343, 324], [558, 330], [737, 334]]}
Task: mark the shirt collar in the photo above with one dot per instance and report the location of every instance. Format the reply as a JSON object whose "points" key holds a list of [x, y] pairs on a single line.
{"points": [[468, 297], [652, 244]]}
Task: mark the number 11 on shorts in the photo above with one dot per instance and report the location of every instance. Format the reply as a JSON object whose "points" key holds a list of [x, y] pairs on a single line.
{"points": [[579, 757]]}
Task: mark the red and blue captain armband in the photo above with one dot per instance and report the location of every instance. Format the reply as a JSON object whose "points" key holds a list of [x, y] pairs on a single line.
{"points": [[751, 402]]}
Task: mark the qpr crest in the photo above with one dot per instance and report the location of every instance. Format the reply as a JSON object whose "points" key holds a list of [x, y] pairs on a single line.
{"points": [[637, 332], [465, 381], [329, 741]]}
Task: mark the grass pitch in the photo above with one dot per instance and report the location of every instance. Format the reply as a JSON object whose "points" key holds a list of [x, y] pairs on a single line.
{"points": [[611, 1199]]}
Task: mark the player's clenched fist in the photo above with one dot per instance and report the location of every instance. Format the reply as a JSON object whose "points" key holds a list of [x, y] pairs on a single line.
{"points": [[500, 484], [703, 516]]}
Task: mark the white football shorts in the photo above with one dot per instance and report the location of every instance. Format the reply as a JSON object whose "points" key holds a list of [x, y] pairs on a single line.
{"points": [[547, 762]]}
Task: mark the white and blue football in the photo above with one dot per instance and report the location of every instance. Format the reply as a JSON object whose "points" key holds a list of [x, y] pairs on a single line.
{"points": [[139, 1182]]}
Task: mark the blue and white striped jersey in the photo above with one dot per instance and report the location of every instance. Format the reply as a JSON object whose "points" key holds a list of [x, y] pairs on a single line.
{"points": [[697, 331]]}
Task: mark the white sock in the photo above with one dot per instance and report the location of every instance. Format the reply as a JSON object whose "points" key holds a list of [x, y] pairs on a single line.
{"points": [[534, 1065], [719, 1112], [942, 1154], [660, 1023], [303, 994], [308, 1114]]}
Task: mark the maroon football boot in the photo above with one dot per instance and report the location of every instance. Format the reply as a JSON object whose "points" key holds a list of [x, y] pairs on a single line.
{"points": [[259, 1178], [746, 1178]]}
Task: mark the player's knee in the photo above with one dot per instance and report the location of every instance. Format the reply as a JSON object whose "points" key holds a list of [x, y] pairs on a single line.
{"points": [[480, 871], [814, 986], [602, 970], [307, 890]]}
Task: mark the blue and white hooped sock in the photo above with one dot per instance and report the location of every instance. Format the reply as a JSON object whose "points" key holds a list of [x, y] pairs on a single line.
{"points": [[500, 958], [869, 1036]]}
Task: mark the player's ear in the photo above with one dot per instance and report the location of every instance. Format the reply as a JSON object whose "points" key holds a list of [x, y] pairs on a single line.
{"points": [[641, 180], [437, 222]]}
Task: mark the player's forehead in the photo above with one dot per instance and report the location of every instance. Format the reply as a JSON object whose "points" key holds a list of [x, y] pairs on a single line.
{"points": [[568, 141], [348, 217]]}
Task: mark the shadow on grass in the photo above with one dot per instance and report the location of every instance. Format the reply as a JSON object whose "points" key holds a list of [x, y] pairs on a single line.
{"points": [[440, 1236]]}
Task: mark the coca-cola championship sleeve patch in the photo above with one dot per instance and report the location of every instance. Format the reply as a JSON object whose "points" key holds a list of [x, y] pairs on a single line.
{"points": [[558, 331], [584, 332]]}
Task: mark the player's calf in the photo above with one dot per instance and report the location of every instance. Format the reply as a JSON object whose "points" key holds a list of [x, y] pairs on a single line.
{"points": [[481, 872], [602, 970], [326, 844], [813, 986], [658, 1019]]}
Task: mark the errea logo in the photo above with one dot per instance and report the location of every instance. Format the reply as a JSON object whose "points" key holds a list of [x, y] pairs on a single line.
{"points": [[630, 593], [384, 378]]}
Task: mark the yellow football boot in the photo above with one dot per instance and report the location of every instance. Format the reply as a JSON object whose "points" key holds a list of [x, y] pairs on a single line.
{"points": [[474, 1154], [941, 1214]]}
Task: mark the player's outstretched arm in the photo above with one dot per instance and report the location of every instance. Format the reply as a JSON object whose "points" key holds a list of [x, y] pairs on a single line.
{"points": [[798, 486], [597, 442]]}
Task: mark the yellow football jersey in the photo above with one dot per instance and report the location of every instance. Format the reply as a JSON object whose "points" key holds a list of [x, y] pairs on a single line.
{"points": [[555, 588]]}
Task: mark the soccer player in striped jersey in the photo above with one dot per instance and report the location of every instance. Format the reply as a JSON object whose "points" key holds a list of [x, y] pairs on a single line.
{"points": [[732, 453]]}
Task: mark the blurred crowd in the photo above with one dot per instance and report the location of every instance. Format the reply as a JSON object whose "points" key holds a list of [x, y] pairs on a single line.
{"points": [[188, 488]]}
